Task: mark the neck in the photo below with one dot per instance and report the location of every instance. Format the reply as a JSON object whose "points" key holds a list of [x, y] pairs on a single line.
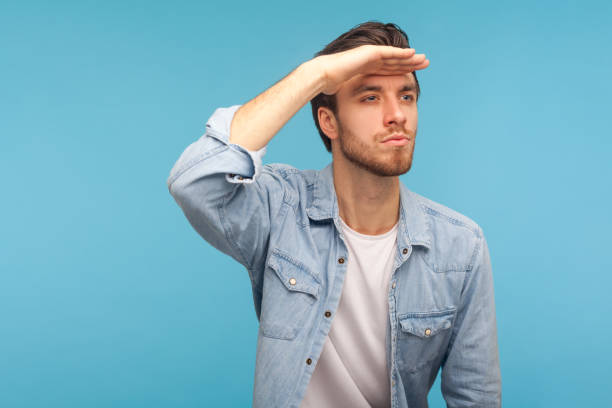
{"points": [[367, 203]]}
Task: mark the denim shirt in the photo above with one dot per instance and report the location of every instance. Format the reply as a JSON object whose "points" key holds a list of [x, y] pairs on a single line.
{"points": [[282, 225]]}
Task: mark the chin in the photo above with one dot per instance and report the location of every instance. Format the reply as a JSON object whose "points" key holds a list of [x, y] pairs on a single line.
{"points": [[384, 170]]}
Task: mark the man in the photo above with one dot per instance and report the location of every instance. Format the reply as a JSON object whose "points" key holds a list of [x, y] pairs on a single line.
{"points": [[363, 289]]}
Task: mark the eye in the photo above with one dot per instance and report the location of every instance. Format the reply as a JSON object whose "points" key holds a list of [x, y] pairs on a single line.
{"points": [[408, 97]]}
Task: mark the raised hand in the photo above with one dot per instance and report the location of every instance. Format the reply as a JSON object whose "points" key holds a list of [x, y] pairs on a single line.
{"points": [[368, 60]]}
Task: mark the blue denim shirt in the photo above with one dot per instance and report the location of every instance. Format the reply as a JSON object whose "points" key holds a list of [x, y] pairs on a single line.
{"points": [[282, 225]]}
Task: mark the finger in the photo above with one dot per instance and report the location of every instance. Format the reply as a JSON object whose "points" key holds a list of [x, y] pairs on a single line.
{"points": [[422, 66], [404, 60], [402, 70], [402, 67], [406, 70], [394, 71], [413, 60], [390, 52]]}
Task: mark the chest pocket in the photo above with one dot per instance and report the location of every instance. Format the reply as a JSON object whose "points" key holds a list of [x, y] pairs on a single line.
{"points": [[423, 338], [290, 290]]}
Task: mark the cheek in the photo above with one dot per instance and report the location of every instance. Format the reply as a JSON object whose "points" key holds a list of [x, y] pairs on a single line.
{"points": [[361, 126], [413, 120], [368, 123]]}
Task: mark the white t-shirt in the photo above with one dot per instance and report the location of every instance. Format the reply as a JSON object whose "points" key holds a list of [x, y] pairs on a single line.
{"points": [[352, 369]]}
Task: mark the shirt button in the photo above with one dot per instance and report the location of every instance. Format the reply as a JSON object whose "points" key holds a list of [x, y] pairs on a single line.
{"points": [[327, 313], [405, 251], [393, 285], [292, 281], [341, 260], [427, 332], [308, 361]]}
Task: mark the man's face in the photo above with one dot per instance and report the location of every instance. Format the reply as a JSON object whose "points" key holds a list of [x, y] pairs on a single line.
{"points": [[371, 109]]}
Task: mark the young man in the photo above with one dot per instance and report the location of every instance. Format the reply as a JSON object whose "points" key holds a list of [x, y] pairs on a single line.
{"points": [[363, 289]]}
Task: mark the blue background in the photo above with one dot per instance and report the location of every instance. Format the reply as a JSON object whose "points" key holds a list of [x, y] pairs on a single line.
{"points": [[108, 297]]}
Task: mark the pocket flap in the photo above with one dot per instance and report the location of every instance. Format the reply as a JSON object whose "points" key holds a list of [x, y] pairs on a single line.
{"points": [[293, 274], [426, 324]]}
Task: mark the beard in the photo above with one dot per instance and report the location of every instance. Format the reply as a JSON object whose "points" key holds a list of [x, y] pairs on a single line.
{"points": [[395, 161]]}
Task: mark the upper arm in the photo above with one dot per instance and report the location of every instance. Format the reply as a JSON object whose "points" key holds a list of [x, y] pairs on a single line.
{"points": [[227, 195]]}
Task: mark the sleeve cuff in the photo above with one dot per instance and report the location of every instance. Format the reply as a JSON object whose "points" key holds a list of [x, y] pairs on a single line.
{"points": [[219, 127], [256, 158]]}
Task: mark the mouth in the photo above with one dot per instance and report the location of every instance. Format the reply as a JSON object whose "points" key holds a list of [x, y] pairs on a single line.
{"points": [[396, 140]]}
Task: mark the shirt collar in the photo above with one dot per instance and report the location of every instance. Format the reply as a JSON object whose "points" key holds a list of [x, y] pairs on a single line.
{"points": [[413, 228]]}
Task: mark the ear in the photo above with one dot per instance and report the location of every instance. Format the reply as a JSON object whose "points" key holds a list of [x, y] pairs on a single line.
{"points": [[328, 122]]}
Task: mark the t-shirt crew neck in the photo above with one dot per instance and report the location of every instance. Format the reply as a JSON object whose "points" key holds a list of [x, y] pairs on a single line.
{"points": [[359, 235]]}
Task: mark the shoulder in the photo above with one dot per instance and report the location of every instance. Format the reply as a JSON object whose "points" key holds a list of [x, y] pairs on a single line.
{"points": [[444, 215], [454, 237], [288, 171], [296, 183], [293, 176]]}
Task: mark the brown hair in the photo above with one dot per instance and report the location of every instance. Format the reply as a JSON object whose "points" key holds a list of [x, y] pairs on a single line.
{"points": [[370, 32]]}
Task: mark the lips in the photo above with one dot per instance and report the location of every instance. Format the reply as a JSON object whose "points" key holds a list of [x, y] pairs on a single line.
{"points": [[396, 139], [396, 136]]}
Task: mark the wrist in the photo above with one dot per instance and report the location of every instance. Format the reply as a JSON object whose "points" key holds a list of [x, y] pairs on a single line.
{"points": [[314, 72]]}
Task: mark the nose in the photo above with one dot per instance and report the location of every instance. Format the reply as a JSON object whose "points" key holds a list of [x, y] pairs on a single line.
{"points": [[393, 113]]}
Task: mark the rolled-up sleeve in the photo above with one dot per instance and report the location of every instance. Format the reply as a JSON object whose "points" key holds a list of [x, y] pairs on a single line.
{"points": [[244, 165], [471, 374], [226, 193]]}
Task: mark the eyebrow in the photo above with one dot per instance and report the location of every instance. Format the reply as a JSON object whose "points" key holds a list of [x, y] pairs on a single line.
{"points": [[365, 88]]}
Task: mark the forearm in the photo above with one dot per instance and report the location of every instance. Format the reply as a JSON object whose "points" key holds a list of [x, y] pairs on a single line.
{"points": [[258, 121]]}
